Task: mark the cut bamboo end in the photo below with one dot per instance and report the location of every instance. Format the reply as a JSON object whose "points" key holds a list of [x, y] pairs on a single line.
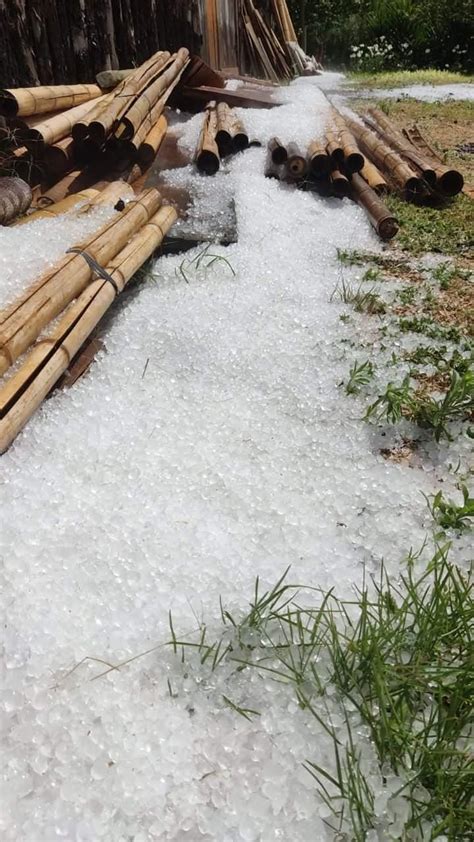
{"points": [[334, 148], [15, 198], [207, 153], [278, 151], [450, 182], [319, 163], [296, 166], [149, 148], [340, 184]]}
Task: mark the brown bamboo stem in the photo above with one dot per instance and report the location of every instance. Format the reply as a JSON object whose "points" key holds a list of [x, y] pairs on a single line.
{"points": [[353, 159], [21, 102], [339, 183], [389, 161], [207, 153], [295, 167], [224, 133], [374, 178], [149, 148], [48, 360], [334, 148], [23, 321], [64, 206], [61, 125], [319, 162], [380, 217]]}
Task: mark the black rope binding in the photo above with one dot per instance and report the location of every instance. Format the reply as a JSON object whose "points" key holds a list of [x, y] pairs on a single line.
{"points": [[99, 270]]}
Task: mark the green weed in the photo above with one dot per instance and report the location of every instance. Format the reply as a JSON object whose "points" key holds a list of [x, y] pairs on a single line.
{"points": [[360, 375], [430, 328], [448, 514], [364, 301], [205, 259]]}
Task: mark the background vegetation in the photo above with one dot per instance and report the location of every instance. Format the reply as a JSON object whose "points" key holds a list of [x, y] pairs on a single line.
{"points": [[373, 35]]}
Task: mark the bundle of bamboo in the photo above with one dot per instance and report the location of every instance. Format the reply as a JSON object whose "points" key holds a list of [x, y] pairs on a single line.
{"points": [[50, 357], [222, 134]]}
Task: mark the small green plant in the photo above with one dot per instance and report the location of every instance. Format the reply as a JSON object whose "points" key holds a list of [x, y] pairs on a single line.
{"points": [[371, 275], [206, 259], [444, 274], [364, 301], [440, 358], [402, 401], [430, 328], [448, 514], [407, 295], [360, 375]]}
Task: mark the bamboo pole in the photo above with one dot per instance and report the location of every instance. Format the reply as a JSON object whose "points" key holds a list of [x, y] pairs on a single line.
{"points": [[23, 321], [295, 167], [334, 148], [240, 138], [374, 178], [51, 356], [319, 163], [380, 217], [60, 157], [115, 193], [224, 133], [75, 179], [61, 125], [64, 206], [15, 198], [426, 170], [207, 153], [149, 148], [133, 117], [353, 159], [448, 180], [278, 152], [101, 122], [21, 102], [389, 161]]}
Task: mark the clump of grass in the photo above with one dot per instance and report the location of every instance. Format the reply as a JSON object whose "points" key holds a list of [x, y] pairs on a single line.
{"points": [[448, 514], [407, 295], [402, 78], [402, 401], [399, 658], [430, 328], [446, 230], [440, 358], [360, 375], [205, 259], [363, 301]]}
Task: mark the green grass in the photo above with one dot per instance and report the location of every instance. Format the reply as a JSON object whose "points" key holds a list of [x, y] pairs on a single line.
{"points": [[402, 78], [446, 230], [360, 375], [363, 301], [397, 660], [450, 515]]}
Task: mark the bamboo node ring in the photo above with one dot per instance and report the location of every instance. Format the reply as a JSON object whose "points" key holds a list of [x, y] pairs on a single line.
{"points": [[96, 267]]}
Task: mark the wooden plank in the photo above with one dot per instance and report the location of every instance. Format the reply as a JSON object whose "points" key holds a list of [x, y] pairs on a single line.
{"points": [[240, 98]]}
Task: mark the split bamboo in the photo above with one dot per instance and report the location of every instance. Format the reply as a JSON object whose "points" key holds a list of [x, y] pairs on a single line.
{"points": [[353, 159], [150, 146], [61, 125], [449, 181], [295, 167], [318, 160], [46, 298], [278, 152], [21, 102], [51, 356], [15, 198], [207, 153], [389, 161], [380, 217], [374, 178]]}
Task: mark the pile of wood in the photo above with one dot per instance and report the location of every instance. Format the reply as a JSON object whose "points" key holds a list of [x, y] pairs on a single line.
{"points": [[222, 134], [269, 41], [48, 133], [365, 164], [79, 289]]}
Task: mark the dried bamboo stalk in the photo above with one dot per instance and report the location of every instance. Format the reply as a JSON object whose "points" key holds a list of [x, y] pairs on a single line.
{"points": [[101, 122], [319, 163], [207, 153], [380, 217], [401, 174], [15, 198], [224, 133], [115, 193], [61, 125], [64, 206], [449, 181], [278, 152], [353, 159], [334, 148], [22, 102], [23, 321], [426, 170], [240, 138], [60, 190], [60, 157], [51, 356], [374, 178], [133, 117], [149, 148]]}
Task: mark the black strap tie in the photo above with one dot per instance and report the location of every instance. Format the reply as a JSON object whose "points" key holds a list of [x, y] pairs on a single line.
{"points": [[99, 270]]}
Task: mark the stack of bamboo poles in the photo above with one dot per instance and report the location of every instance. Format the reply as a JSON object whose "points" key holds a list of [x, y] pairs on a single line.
{"points": [[117, 131], [269, 40], [79, 290], [353, 161], [222, 134]]}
